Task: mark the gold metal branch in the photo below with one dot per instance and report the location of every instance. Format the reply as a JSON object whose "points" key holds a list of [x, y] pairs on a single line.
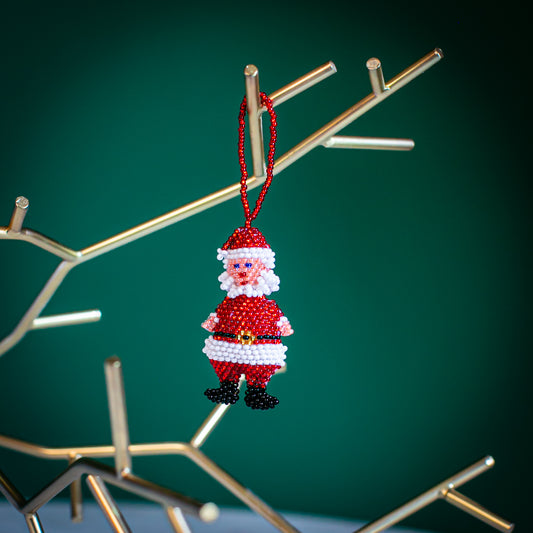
{"points": [[369, 143], [98, 473], [325, 136], [122, 451], [445, 490]]}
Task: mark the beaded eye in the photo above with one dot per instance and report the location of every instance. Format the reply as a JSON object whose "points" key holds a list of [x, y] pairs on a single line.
{"points": [[236, 265], [248, 265]]}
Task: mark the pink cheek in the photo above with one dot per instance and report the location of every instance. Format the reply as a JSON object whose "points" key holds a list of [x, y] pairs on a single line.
{"points": [[253, 275]]}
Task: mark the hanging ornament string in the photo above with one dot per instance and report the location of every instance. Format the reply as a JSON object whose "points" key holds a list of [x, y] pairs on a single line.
{"points": [[267, 102]]}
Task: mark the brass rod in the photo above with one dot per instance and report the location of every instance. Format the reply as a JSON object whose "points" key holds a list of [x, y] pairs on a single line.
{"points": [[209, 424], [417, 68], [301, 84], [10, 492], [33, 523], [51, 246], [354, 112], [76, 501], [473, 508], [37, 306], [128, 482], [19, 212], [44, 452], [177, 520], [66, 319], [238, 490], [95, 452], [118, 415], [253, 103], [428, 497], [108, 505], [471, 472], [369, 143], [375, 73], [41, 241], [165, 220]]}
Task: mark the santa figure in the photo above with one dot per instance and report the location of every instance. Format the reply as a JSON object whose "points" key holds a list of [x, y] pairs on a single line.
{"points": [[247, 327]]}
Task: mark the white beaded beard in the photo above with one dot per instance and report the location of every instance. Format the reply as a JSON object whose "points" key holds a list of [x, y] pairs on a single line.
{"points": [[266, 284]]}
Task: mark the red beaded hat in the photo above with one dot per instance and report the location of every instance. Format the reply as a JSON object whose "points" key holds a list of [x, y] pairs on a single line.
{"points": [[247, 242]]}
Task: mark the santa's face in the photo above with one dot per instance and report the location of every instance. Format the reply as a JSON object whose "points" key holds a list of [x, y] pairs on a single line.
{"points": [[245, 271]]}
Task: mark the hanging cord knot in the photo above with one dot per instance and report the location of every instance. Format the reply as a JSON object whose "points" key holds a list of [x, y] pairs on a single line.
{"points": [[267, 102]]}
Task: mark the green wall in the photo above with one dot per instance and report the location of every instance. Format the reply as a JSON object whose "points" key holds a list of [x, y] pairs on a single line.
{"points": [[406, 276]]}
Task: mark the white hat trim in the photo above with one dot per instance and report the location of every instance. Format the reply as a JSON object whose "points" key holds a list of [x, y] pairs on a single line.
{"points": [[266, 255]]}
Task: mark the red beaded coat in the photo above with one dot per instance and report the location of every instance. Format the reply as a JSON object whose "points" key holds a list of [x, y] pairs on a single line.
{"points": [[247, 331]]}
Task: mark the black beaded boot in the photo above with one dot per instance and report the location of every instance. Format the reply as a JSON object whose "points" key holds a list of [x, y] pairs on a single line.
{"points": [[257, 398], [227, 393]]}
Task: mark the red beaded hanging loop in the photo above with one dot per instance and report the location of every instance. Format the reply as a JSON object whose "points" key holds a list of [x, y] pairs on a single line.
{"points": [[267, 102]]}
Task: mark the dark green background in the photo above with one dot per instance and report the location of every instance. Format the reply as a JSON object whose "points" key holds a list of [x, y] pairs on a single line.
{"points": [[406, 276]]}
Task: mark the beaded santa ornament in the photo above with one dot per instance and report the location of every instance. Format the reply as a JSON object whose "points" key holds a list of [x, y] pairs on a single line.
{"points": [[247, 327]]}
